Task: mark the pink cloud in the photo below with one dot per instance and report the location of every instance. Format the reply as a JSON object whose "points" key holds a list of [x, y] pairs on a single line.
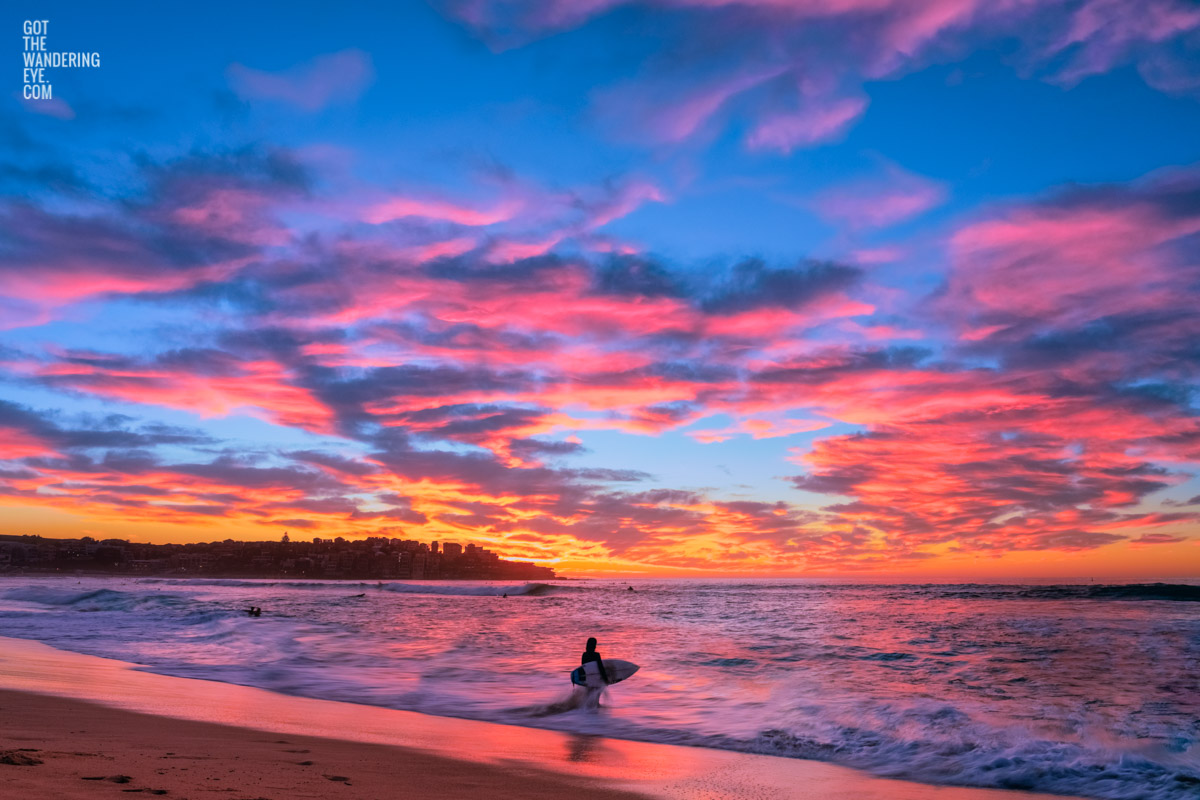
{"points": [[621, 202], [1066, 265], [668, 113], [786, 131], [235, 213], [261, 388], [442, 249], [54, 107], [528, 219], [324, 80], [876, 202], [66, 259], [509, 250], [759, 428], [877, 255], [401, 207], [1100, 34], [830, 48]]}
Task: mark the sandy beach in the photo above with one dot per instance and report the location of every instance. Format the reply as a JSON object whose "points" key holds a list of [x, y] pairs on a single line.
{"points": [[81, 726], [62, 748], [58, 747]]}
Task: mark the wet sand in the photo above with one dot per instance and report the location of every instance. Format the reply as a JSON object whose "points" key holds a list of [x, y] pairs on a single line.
{"points": [[53, 747], [80, 726]]}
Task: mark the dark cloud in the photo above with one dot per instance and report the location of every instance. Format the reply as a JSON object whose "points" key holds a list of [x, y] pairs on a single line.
{"points": [[638, 276], [486, 472], [232, 471], [91, 432], [824, 367], [401, 508], [296, 522], [752, 285], [274, 169], [180, 218], [1072, 540], [466, 336], [413, 380], [539, 448], [1158, 538], [492, 420], [530, 273], [348, 466], [63, 179]]}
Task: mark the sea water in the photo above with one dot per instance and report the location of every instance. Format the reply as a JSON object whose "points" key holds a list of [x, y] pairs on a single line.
{"points": [[1089, 690]]}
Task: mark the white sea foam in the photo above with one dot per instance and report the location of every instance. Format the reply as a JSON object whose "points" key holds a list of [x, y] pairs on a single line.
{"points": [[465, 588]]}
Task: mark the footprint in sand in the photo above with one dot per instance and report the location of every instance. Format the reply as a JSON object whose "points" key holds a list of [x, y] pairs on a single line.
{"points": [[19, 758]]}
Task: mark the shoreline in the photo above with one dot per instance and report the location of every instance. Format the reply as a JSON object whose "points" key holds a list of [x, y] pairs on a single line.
{"points": [[233, 729]]}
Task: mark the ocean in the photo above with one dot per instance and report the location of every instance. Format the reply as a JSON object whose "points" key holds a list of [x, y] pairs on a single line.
{"points": [[1085, 689]]}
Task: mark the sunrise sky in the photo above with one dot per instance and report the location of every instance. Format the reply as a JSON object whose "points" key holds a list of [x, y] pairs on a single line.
{"points": [[672, 287]]}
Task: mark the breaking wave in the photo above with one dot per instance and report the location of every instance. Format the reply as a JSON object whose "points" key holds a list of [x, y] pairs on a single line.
{"points": [[1092, 591], [463, 588]]}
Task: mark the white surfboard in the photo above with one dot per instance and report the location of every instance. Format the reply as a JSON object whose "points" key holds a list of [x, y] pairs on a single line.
{"points": [[589, 674]]}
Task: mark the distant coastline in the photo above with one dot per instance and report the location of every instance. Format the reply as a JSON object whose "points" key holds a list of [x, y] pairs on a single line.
{"points": [[373, 558]]}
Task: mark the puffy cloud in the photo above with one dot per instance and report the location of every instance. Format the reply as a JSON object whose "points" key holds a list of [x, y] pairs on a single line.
{"points": [[1085, 306], [1118, 253], [196, 220]]}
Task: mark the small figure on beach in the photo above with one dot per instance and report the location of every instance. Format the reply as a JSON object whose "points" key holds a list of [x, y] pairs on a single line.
{"points": [[254, 611]]}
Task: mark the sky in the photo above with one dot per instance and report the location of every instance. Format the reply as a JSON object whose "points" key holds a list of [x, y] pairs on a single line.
{"points": [[662, 287]]}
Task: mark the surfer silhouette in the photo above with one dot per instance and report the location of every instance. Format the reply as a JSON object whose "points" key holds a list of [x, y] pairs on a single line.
{"points": [[590, 654]]}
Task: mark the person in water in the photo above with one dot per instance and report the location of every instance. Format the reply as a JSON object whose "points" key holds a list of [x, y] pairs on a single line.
{"points": [[590, 655]]}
